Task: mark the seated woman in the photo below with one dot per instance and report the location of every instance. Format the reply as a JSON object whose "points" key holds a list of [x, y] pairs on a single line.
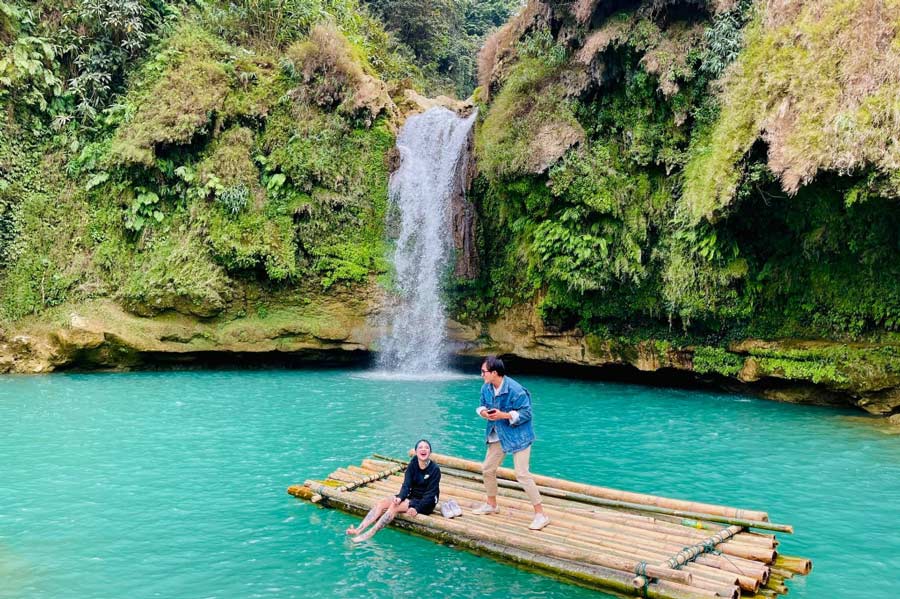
{"points": [[418, 495]]}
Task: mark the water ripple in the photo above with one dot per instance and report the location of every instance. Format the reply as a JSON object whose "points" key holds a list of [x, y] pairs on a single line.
{"points": [[173, 484]]}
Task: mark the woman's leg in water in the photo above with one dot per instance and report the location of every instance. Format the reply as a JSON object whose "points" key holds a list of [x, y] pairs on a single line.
{"points": [[377, 510], [385, 519]]}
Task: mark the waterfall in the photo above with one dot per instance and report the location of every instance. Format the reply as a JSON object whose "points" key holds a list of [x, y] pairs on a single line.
{"points": [[432, 147]]}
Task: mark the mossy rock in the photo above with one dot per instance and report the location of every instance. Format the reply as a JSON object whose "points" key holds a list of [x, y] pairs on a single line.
{"points": [[181, 104], [534, 97], [177, 274]]}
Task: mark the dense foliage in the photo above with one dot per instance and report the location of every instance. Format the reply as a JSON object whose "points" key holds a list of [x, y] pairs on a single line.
{"points": [[167, 154], [444, 35], [693, 172], [611, 236]]}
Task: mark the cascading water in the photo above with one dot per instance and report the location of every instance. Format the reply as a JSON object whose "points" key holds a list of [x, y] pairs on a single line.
{"points": [[432, 147]]}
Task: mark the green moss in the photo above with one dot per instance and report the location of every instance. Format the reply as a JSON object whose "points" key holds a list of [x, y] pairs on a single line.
{"points": [[716, 360], [534, 98], [43, 242], [47, 259], [258, 87], [862, 368], [181, 103], [230, 161], [176, 272], [339, 227], [795, 80]]}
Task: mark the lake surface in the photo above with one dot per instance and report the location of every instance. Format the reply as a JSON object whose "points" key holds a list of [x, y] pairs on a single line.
{"points": [[173, 484]]}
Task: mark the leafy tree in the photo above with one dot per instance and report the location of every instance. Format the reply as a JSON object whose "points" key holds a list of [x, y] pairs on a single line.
{"points": [[444, 35]]}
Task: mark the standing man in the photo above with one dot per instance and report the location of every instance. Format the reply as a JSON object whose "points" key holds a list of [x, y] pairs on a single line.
{"points": [[506, 405]]}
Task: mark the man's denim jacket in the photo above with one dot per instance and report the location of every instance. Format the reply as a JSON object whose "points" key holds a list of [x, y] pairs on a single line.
{"points": [[512, 396]]}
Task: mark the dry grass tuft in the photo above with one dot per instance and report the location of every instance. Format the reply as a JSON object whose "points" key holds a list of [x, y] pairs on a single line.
{"points": [[583, 9], [611, 33], [499, 50], [536, 98], [782, 12], [719, 6], [487, 60], [668, 58], [820, 82], [333, 77]]}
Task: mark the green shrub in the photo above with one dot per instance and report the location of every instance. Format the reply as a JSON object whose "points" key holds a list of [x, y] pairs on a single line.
{"points": [[716, 360], [174, 273], [534, 98], [797, 83], [181, 104]]}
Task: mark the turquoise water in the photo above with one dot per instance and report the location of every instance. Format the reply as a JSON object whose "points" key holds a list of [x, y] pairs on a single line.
{"points": [[173, 484]]}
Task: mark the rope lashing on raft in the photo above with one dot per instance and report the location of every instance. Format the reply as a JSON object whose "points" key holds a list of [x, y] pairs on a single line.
{"points": [[641, 570], [692, 552]]}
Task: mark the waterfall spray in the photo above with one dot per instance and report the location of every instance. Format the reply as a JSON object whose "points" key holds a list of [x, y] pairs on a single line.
{"points": [[432, 146]]}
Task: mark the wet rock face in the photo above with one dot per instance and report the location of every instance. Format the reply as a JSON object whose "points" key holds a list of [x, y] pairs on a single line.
{"points": [[463, 219], [776, 370], [165, 300], [103, 335], [882, 403]]}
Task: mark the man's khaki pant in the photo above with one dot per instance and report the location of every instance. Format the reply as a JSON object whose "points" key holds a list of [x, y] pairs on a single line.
{"points": [[492, 461]]}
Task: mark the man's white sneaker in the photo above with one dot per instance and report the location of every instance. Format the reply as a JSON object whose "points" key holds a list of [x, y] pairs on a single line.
{"points": [[485, 508], [447, 510], [539, 522], [457, 511]]}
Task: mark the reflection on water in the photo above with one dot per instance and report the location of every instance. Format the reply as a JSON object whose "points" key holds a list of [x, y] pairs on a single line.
{"points": [[173, 484]]}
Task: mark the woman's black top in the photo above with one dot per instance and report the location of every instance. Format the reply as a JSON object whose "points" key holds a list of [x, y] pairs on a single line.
{"points": [[421, 487]]}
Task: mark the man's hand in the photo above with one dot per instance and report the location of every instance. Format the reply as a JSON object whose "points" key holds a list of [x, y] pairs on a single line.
{"points": [[397, 500], [411, 511], [496, 415]]}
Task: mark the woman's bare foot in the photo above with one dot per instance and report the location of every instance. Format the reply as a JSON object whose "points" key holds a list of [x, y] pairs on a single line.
{"points": [[353, 531]]}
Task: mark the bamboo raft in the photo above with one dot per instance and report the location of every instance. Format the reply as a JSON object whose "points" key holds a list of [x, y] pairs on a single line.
{"points": [[628, 543]]}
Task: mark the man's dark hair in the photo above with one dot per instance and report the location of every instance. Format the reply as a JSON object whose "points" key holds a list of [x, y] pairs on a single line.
{"points": [[494, 364]]}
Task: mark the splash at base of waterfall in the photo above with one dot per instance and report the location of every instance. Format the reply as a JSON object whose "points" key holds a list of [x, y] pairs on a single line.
{"points": [[393, 375]]}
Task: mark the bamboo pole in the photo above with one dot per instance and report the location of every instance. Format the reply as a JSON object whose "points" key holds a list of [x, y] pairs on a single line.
{"points": [[754, 570], [714, 583], [534, 546], [588, 575], [586, 541], [622, 546], [688, 555], [685, 535], [574, 492], [301, 492], [378, 476], [609, 493], [680, 540], [610, 538], [798, 565]]}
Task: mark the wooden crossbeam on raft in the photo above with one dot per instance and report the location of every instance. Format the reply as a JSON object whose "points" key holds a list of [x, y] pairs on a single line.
{"points": [[372, 478], [692, 552], [633, 550]]}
